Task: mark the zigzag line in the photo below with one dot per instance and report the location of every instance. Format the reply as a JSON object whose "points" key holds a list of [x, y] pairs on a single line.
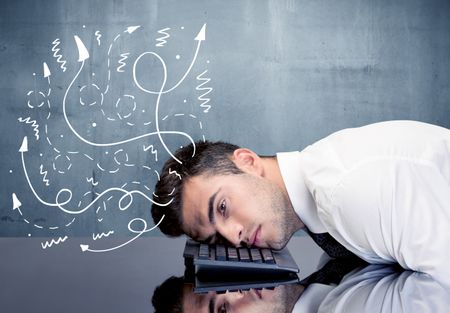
{"points": [[207, 90], [121, 61], [174, 172], [99, 236], [91, 180], [162, 40], [154, 151], [33, 123], [42, 172], [58, 55], [48, 244]]}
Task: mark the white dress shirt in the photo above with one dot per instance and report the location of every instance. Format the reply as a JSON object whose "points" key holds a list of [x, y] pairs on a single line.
{"points": [[376, 289], [382, 191]]}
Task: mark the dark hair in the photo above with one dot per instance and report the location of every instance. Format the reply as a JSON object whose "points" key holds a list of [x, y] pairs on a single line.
{"points": [[210, 158], [168, 297]]}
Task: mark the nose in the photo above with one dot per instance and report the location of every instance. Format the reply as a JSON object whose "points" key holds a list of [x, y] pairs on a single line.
{"points": [[233, 232]]}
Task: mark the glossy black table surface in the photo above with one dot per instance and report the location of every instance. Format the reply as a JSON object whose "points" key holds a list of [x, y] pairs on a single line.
{"points": [[63, 278]]}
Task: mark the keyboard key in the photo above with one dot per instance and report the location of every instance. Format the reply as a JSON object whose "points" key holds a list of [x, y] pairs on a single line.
{"points": [[221, 253], [267, 256], [243, 255], [190, 250], [203, 253], [212, 253], [256, 256], [232, 254]]}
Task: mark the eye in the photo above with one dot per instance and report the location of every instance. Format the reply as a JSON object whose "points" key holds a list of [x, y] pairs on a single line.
{"points": [[222, 208]]}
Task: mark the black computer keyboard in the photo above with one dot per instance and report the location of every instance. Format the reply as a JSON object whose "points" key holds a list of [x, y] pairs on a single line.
{"points": [[226, 259]]}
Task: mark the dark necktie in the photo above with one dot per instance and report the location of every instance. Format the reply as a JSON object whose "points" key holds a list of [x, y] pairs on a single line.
{"points": [[333, 248], [333, 272]]}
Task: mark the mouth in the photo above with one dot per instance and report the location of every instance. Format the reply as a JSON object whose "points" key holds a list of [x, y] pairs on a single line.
{"points": [[255, 238]]}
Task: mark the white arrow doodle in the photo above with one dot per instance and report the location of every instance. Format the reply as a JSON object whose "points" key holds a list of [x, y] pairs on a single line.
{"points": [[83, 53], [139, 233], [201, 36], [47, 72], [131, 29], [126, 194], [16, 203]]}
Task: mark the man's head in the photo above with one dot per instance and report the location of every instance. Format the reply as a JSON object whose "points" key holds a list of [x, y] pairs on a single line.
{"points": [[225, 192], [174, 296]]}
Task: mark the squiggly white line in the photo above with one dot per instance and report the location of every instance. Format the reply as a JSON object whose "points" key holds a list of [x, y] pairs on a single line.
{"points": [[206, 90], [121, 62], [58, 55], [48, 244], [162, 40], [33, 123], [91, 180], [101, 235], [174, 172], [153, 151], [98, 36], [44, 173]]}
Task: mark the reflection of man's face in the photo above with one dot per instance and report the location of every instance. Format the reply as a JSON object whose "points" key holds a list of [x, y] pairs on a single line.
{"points": [[244, 209], [262, 301]]}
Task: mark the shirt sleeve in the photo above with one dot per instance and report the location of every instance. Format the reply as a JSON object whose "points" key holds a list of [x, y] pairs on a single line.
{"points": [[396, 210]]}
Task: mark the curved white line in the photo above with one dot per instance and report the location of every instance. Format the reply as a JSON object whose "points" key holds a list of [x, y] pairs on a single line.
{"points": [[177, 84], [111, 143], [65, 190], [139, 233]]}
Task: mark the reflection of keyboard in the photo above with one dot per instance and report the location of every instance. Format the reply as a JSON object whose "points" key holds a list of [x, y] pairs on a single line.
{"points": [[228, 260]]}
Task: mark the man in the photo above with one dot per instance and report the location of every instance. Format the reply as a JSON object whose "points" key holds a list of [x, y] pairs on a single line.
{"points": [[382, 191], [177, 296]]}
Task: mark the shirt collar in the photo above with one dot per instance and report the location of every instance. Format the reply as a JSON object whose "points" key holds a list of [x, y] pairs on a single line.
{"points": [[290, 164]]}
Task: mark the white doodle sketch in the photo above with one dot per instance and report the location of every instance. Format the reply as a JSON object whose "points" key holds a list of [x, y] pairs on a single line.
{"points": [[123, 109], [161, 41], [48, 244], [206, 90], [58, 55]]}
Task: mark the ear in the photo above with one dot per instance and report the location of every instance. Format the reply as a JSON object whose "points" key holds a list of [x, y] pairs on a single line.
{"points": [[248, 161]]}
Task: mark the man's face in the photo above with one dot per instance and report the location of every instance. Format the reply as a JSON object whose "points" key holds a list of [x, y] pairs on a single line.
{"points": [[244, 209], [261, 301]]}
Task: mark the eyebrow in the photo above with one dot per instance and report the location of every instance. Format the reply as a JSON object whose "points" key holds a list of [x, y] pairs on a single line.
{"points": [[212, 304]]}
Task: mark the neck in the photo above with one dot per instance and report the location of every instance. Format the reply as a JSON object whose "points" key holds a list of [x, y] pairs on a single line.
{"points": [[271, 171], [295, 292]]}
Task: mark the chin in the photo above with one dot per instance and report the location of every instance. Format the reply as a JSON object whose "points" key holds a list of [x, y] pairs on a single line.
{"points": [[277, 245]]}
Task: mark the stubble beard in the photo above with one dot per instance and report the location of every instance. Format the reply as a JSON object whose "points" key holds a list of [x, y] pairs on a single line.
{"points": [[286, 221]]}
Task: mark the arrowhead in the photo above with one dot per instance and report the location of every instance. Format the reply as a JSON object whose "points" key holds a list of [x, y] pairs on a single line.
{"points": [[16, 202], [24, 146], [83, 54], [131, 29], [46, 70], [84, 247], [201, 33]]}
